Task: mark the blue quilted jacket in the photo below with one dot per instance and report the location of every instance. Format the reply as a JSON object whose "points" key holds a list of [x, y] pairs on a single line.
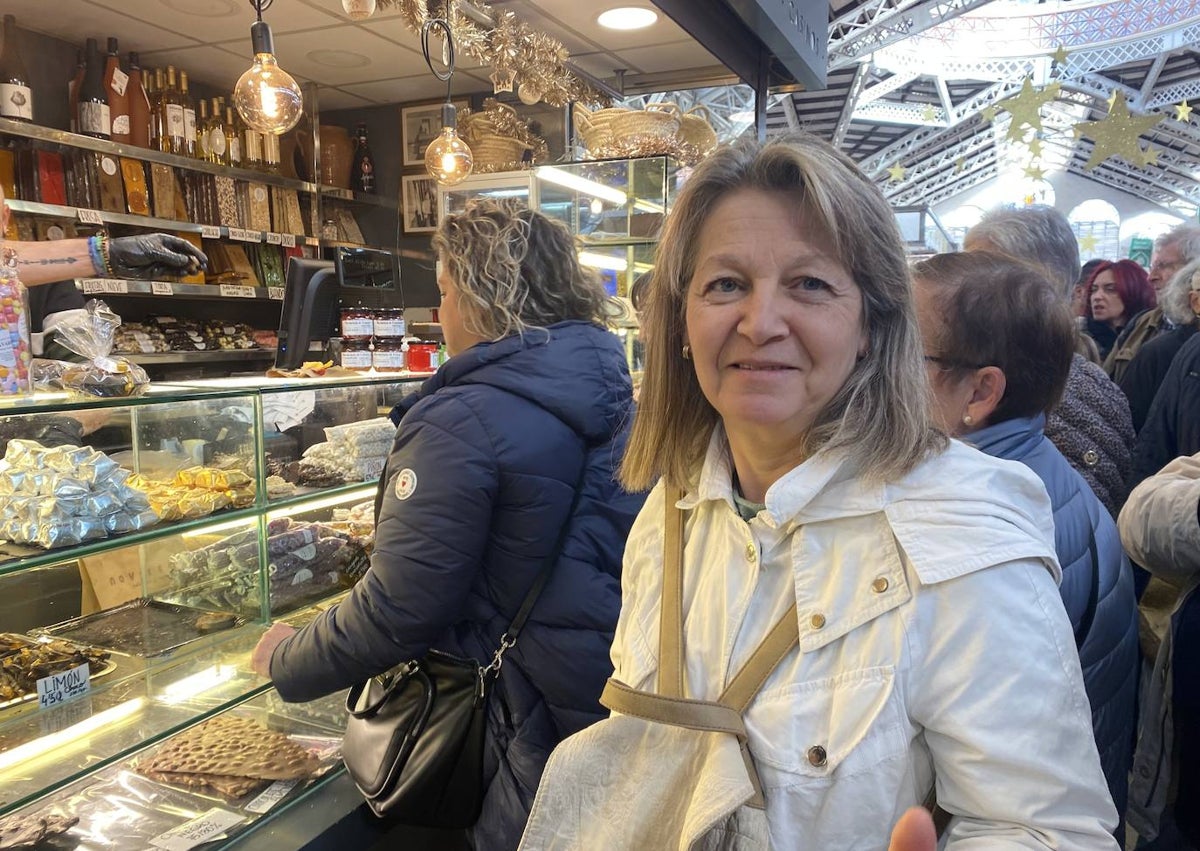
{"points": [[478, 484], [1109, 653]]}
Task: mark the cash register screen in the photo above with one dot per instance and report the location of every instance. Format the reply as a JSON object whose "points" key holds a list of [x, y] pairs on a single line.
{"points": [[367, 267]]}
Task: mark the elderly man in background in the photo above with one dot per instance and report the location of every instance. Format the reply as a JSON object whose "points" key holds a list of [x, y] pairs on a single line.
{"points": [[1172, 251], [1091, 426]]}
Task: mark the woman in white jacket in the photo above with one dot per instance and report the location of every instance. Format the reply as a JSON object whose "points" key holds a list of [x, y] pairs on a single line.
{"points": [[904, 584]]}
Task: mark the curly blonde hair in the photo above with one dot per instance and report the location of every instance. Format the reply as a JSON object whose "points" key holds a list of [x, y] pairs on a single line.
{"points": [[515, 269]]}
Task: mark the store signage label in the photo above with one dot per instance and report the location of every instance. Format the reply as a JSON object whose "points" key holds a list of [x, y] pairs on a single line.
{"points": [[243, 235], [111, 286], [274, 238], [57, 689], [199, 830], [275, 293], [287, 240], [271, 796], [237, 291], [210, 232], [162, 288], [91, 217]]}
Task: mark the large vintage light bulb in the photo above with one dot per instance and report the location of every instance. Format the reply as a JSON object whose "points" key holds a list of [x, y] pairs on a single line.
{"points": [[448, 158], [359, 10], [266, 96]]}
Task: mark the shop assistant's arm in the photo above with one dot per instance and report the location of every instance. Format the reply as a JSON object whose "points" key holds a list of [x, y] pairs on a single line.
{"points": [[144, 256]]}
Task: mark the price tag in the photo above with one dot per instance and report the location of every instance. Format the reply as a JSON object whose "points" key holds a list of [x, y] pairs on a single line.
{"points": [[57, 689], [243, 235], [162, 288], [271, 796], [237, 291], [91, 217], [210, 232], [287, 240], [274, 238], [199, 830], [92, 286], [275, 293]]}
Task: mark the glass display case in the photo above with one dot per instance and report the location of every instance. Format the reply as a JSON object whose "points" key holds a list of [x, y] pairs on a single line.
{"points": [[147, 544]]}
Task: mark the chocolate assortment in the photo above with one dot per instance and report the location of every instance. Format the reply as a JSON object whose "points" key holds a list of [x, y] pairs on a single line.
{"points": [[24, 661], [171, 334], [64, 496], [354, 452], [33, 831], [196, 492], [144, 627]]}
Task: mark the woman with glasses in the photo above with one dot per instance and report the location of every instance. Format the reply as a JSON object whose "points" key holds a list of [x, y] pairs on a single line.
{"points": [[1117, 294], [998, 345]]}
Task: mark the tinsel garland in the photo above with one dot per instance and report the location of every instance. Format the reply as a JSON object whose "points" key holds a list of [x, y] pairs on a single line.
{"points": [[538, 59], [497, 119]]}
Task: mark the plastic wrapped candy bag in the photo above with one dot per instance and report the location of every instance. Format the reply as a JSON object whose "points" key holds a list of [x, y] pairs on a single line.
{"points": [[90, 334], [14, 328]]}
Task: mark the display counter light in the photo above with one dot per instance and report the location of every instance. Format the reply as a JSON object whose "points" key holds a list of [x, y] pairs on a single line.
{"points": [[69, 735], [567, 180]]}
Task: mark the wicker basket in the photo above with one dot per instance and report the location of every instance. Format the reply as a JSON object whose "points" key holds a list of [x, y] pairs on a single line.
{"points": [[695, 129], [497, 153], [659, 120], [595, 128]]}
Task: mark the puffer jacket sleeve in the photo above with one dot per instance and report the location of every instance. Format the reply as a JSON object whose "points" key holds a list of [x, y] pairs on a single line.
{"points": [[997, 687], [430, 538], [1160, 524]]}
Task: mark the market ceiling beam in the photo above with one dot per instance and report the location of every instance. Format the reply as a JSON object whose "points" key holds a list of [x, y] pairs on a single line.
{"points": [[857, 85], [876, 24], [1150, 81]]}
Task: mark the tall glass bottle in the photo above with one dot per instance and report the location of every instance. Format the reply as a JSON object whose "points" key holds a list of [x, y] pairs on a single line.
{"points": [[362, 173], [139, 105], [252, 149], [189, 116], [173, 138], [232, 139], [154, 90], [218, 144], [73, 90], [16, 96], [202, 129], [94, 117], [271, 152], [116, 85]]}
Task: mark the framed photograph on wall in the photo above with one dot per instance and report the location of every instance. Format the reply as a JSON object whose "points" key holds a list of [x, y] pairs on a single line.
{"points": [[420, 125], [418, 203]]}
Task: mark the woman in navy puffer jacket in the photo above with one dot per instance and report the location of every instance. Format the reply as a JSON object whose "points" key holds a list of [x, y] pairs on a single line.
{"points": [[998, 342], [535, 399]]}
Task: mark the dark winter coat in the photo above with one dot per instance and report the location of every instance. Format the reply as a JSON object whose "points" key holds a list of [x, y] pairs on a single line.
{"points": [[1145, 373], [1109, 652], [478, 484], [1172, 426]]}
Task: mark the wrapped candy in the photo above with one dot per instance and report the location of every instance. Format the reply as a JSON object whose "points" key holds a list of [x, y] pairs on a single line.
{"points": [[90, 334], [15, 351]]}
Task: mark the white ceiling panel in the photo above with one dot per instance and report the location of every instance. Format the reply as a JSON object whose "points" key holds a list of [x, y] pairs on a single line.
{"points": [[660, 57], [344, 54], [212, 65], [395, 31], [580, 18], [222, 20], [406, 89], [78, 20]]}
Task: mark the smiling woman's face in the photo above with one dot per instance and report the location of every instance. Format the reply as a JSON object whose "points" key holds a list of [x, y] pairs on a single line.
{"points": [[774, 324]]}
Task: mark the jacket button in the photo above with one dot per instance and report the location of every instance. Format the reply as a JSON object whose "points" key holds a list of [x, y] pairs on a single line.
{"points": [[817, 756], [817, 621], [1091, 458], [879, 585], [751, 552]]}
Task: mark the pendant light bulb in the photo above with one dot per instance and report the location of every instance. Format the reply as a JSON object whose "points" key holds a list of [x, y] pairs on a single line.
{"points": [[266, 96], [448, 158], [359, 10]]}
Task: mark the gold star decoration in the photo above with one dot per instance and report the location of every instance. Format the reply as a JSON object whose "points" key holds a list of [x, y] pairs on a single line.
{"points": [[929, 113], [1112, 98], [1087, 244], [1117, 135], [1060, 55], [1183, 112], [959, 165], [1025, 107], [896, 173], [1034, 172], [988, 114], [1149, 156], [1035, 146]]}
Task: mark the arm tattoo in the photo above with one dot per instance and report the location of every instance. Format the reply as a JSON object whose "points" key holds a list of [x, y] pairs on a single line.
{"points": [[50, 261]]}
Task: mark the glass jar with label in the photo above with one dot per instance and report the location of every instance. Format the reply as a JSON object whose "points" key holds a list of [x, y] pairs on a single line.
{"points": [[356, 354], [389, 322], [389, 355], [358, 323]]}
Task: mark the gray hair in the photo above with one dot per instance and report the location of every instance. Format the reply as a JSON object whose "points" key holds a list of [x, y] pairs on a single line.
{"points": [[1175, 299], [1186, 237], [1037, 234], [882, 414]]}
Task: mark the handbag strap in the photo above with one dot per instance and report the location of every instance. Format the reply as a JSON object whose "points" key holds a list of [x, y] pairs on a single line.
{"points": [[531, 597]]}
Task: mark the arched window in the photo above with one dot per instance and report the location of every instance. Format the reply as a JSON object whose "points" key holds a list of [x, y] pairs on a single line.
{"points": [[1097, 226]]}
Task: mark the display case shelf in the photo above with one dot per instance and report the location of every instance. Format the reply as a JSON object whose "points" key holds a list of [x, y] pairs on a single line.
{"points": [[216, 356]]}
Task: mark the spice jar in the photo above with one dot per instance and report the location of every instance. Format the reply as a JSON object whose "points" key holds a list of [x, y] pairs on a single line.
{"points": [[389, 322], [356, 354], [358, 323], [389, 354]]}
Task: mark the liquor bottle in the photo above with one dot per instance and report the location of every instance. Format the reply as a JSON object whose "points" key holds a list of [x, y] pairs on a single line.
{"points": [[271, 152], [173, 130], [16, 98], [202, 130], [362, 173], [94, 118], [252, 150], [154, 87], [139, 105], [232, 139], [218, 145], [189, 116], [73, 90], [116, 83]]}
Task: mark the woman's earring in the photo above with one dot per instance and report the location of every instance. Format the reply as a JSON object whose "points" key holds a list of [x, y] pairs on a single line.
{"points": [[968, 420], [687, 352]]}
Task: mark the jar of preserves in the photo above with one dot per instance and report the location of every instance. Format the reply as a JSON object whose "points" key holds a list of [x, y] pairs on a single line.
{"points": [[356, 353], [389, 354], [389, 322], [358, 323], [422, 356]]}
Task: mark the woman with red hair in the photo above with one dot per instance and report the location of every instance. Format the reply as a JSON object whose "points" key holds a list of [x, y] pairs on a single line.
{"points": [[1117, 292]]}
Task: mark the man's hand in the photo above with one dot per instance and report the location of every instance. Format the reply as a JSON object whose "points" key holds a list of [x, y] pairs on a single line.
{"points": [[914, 832], [260, 658], [154, 255]]}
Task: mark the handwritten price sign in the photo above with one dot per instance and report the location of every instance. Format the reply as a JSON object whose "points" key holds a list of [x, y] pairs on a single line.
{"points": [[57, 689]]}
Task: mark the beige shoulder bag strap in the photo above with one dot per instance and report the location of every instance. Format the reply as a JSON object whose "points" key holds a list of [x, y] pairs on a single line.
{"points": [[669, 706]]}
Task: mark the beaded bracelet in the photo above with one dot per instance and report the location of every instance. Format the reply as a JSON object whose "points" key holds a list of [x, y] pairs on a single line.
{"points": [[108, 268], [94, 253]]}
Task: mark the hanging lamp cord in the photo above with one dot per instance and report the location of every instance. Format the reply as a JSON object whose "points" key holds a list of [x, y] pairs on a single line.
{"points": [[426, 30], [260, 5]]}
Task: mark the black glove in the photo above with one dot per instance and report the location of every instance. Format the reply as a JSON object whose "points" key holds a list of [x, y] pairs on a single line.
{"points": [[154, 255]]}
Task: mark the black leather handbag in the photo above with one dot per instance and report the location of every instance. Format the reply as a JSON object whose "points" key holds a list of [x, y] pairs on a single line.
{"points": [[415, 737]]}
